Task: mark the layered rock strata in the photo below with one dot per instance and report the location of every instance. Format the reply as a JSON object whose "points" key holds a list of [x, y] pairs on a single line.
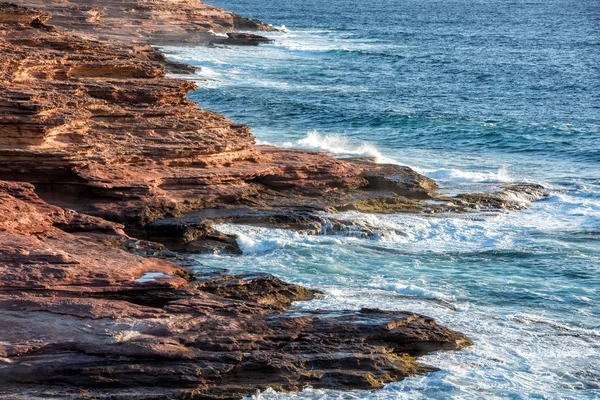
{"points": [[145, 21], [77, 313], [96, 144], [97, 127], [98, 147]]}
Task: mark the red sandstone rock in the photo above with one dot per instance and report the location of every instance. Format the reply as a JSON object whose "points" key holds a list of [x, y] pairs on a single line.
{"points": [[143, 21], [36, 254], [94, 127], [77, 312]]}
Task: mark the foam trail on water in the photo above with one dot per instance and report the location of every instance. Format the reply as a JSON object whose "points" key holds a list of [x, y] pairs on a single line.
{"points": [[207, 72], [408, 289], [418, 234]]}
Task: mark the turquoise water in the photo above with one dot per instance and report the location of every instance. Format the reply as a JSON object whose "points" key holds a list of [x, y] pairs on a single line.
{"points": [[469, 93]]}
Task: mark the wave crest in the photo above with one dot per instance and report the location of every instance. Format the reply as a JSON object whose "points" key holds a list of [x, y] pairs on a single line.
{"points": [[460, 176], [338, 145]]}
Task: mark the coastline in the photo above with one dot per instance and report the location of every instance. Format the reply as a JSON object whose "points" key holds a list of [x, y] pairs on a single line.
{"points": [[179, 159]]}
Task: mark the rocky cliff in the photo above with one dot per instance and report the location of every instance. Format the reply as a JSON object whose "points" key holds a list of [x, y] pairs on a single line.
{"points": [[98, 147], [82, 317], [97, 127], [144, 21]]}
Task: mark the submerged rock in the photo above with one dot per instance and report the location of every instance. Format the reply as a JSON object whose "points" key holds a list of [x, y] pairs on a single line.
{"points": [[240, 39], [514, 196]]}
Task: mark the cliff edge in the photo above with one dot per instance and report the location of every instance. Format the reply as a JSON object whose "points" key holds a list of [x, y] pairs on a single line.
{"points": [[98, 147]]}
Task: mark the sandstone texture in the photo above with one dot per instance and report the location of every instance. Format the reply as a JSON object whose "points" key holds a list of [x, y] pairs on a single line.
{"points": [[107, 170], [82, 318], [98, 128], [145, 21]]}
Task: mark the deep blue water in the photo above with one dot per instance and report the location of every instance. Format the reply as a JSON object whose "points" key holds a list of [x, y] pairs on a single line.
{"points": [[471, 93]]}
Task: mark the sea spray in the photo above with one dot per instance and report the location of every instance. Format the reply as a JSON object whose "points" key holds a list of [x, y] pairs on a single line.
{"points": [[335, 144]]}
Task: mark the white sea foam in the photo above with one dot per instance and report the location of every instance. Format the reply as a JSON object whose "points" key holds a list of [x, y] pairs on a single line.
{"points": [[263, 142], [460, 176], [328, 40], [207, 72], [217, 34], [283, 28], [152, 276], [338, 145], [256, 240], [420, 234], [409, 290], [513, 352], [251, 244]]}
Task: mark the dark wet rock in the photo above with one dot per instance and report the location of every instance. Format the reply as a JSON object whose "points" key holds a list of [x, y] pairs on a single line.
{"points": [[190, 237], [250, 24], [514, 196], [387, 205], [257, 288], [240, 39], [210, 348]]}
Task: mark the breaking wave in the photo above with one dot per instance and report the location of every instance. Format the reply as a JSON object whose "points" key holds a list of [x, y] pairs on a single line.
{"points": [[337, 145], [460, 176], [343, 146]]}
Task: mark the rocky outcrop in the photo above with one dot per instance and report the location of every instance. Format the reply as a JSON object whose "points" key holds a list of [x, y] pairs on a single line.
{"points": [[97, 146], [142, 21], [240, 39], [83, 313], [98, 128], [512, 196]]}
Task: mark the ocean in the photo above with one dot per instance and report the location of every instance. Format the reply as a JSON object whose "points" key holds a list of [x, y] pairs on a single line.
{"points": [[470, 93]]}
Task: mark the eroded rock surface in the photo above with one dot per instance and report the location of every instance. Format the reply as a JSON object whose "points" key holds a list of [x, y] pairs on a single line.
{"points": [[97, 146], [142, 21], [77, 312], [97, 127]]}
